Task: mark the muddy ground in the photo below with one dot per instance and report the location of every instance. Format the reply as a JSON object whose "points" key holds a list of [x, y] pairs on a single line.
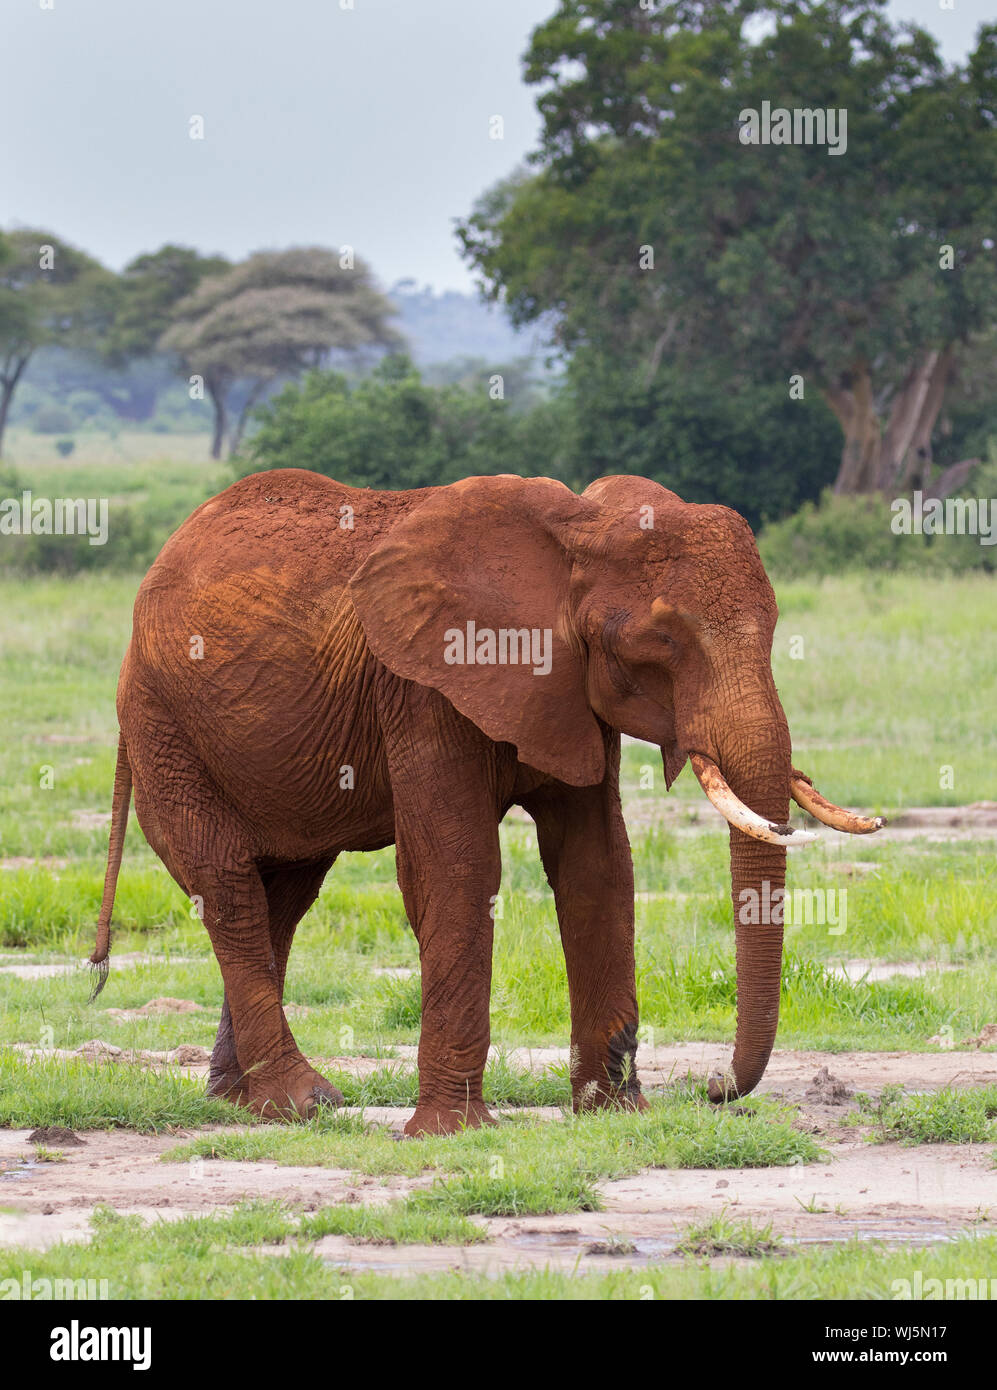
{"points": [[877, 1192]]}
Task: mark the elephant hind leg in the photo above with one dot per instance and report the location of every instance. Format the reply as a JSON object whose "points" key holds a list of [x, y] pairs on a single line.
{"points": [[290, 892], [207, 848]]}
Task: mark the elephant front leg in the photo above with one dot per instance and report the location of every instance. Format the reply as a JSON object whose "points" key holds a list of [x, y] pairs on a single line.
{"points": [[225, 1078], [586, 854]]}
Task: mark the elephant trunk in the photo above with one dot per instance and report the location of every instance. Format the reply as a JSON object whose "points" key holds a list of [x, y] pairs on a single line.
{"points": [[755, 762]]}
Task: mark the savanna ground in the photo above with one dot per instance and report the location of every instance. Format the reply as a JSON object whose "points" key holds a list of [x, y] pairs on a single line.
{"points": [[867, 1154]]}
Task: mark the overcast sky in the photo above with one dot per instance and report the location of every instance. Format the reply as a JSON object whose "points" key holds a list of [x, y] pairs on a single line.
{"points": [[324, 125]]}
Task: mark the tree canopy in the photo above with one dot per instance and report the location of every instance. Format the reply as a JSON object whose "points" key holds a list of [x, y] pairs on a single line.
{"points": [[646, 229], [50, 293], [277, 313]]}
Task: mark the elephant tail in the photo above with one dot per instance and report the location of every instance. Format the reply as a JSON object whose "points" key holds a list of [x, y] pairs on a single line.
{"points": [[119, 820]]}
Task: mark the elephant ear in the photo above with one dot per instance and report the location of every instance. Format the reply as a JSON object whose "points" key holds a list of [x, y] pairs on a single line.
{"points": [[493, 552], [642, 499]]}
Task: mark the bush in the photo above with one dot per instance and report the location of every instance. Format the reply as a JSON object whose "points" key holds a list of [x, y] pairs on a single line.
{"points": [[854, 533], [391, 430], [65, 447], [707, 436], [132, 540]]}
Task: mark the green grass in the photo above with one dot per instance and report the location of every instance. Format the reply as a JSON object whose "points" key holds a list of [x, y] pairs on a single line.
{"points": [[681, 1129], [502, 1085], [533, 1194], [83, 1095], [723, 1235], [941, 1117], [225, 1257], [397, 1223]]}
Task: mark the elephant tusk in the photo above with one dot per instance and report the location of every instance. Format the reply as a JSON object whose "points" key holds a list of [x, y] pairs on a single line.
{"points": [[805, 794], [739, 815]]}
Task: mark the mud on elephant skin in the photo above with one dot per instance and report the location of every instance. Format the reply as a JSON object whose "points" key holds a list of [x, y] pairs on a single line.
{"points": [[315, 668]]}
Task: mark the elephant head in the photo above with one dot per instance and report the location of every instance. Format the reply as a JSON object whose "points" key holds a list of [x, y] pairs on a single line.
{"points": [[627, 606]]}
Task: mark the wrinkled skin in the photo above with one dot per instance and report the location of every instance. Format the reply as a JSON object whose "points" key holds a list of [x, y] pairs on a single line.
{"points": [[285, 697]]}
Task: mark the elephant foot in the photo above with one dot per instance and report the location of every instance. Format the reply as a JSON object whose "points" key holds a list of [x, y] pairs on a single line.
{"points": [[228, 1085], [289, 1090], [592, 1096], [432, 1119]]}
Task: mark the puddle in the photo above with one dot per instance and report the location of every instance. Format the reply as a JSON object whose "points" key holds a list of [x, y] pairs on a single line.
{"points": [[572, 1252], [13, 1168], [662, 1247]]}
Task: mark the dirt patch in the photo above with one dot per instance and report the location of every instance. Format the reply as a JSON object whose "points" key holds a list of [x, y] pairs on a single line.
{"points": [[157, 1007], [71, 738], [55, 1134], [23, 861], [871, 970], [976, 821], [828, 1090], [40, 970]]}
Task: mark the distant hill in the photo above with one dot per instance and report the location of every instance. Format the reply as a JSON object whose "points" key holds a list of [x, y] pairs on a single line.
{"points": [[449, 325]]}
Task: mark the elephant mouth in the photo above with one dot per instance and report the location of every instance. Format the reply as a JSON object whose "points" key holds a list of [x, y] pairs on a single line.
{"points": [[803, 792]]}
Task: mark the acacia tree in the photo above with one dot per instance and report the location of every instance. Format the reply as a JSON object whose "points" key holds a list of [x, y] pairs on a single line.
{"points": [[274, 315], [647, 228], [149, 288], [50, 294]]}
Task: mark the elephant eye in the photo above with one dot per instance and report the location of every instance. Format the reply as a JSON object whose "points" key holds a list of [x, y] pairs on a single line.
{"points": [[671, 650]]}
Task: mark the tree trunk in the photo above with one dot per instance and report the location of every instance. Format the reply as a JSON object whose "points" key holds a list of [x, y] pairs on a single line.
{"points": [[8, 385], [243, 420], [894, 458], [217, 395], [6, 396], [905, 460]]}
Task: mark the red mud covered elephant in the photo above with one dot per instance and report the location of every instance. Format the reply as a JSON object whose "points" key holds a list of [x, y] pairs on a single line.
{"points": [[315, 668]]}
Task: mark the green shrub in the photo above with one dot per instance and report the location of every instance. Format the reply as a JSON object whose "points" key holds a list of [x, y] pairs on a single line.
{"points": [[392, 430], [842, 534]]}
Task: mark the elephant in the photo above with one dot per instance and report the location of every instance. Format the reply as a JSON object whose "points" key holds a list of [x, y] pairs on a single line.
{"points": [[315, 668]]}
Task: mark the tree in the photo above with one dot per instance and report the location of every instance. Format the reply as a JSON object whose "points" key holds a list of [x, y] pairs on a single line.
{"points": [[650, 230], [50, 293], [274, 315], [149, 288], [706, 435], [391, 430]]}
